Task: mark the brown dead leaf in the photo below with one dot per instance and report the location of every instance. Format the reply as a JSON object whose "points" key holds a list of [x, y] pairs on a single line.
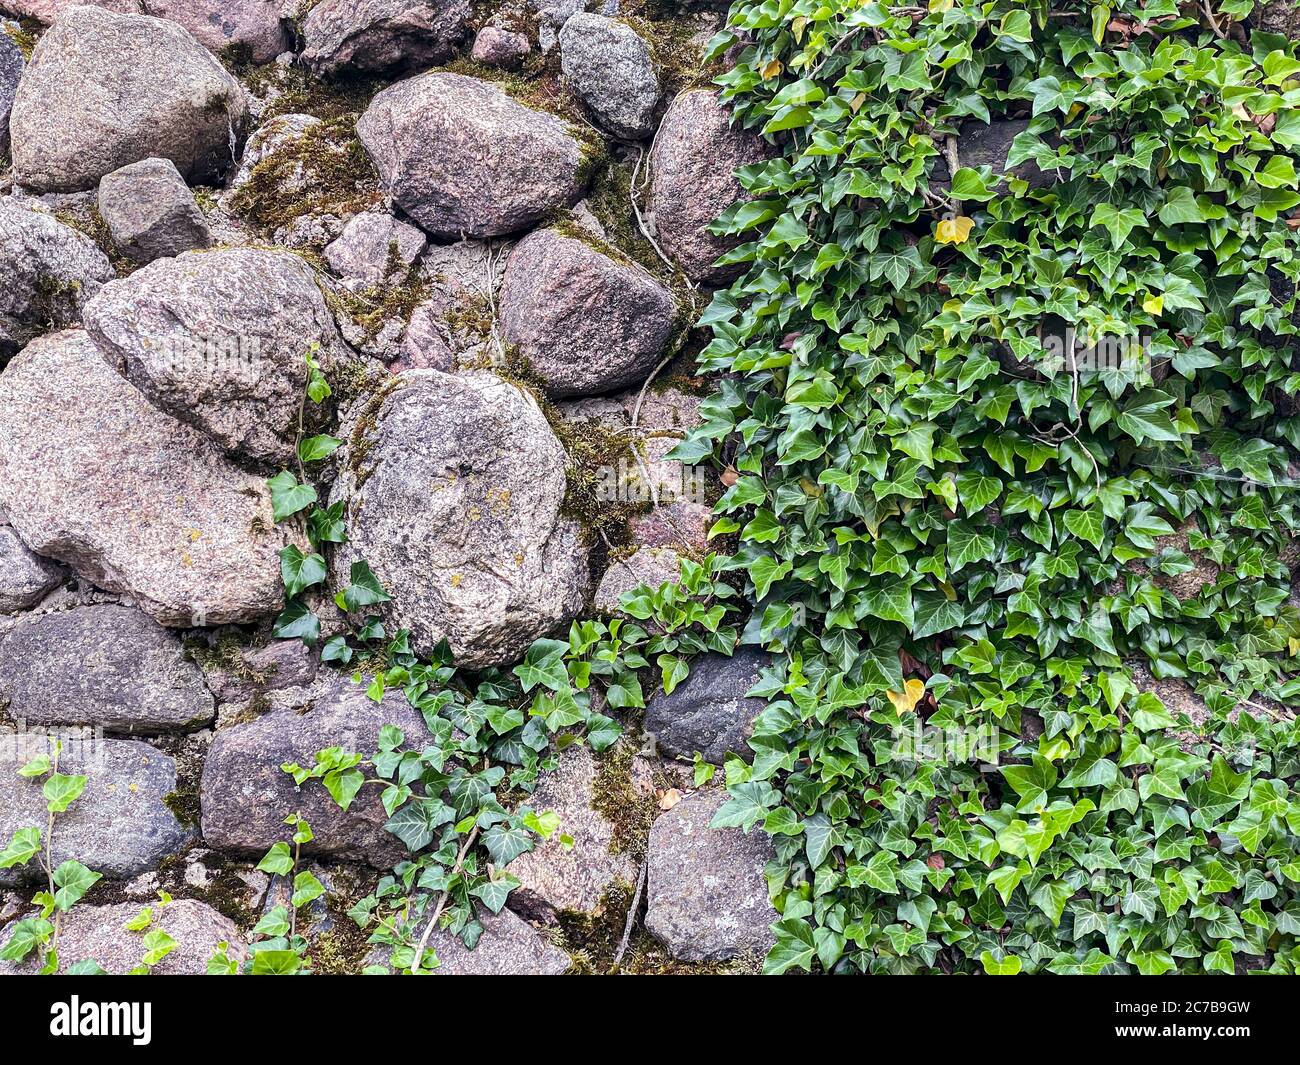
{"points": [[670, 798], [729, 476]]}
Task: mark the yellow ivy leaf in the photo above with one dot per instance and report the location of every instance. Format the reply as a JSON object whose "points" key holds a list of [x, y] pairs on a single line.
{"points": [[1153, 304], [770, 69], [954, 230], [798, 26], [905, 701]]}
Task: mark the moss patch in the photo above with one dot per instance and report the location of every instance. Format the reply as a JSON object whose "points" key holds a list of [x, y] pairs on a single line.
{"points": [[323, 171], [24, 33], [616, 799]]}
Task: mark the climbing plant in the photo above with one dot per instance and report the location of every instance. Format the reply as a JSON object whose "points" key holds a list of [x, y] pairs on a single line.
{"points": [[953, 517]]}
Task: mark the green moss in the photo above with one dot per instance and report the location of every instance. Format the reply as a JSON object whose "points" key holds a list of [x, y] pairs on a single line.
{"points": [[323, 171], [294, 91], [24, 33], [390, 300], [184, 805], [616, 799]]}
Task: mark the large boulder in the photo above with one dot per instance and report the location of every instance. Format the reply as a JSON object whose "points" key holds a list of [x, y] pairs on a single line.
{"points": [[107, 666], [103, 90], [25, 577], [709, 712], [134, 501], [383, 36], [50, 270], [121, 825], [217, 338], [12, 65], [464, 159], [246, 796], [555, 877], [240, 29], [455, 486], [99, 934], [609, 67], [586, 322], [151, 212], [693, 164], [706, 896]]}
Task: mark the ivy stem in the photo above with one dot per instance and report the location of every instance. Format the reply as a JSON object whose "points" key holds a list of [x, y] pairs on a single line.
{"points": [[442, 902]]}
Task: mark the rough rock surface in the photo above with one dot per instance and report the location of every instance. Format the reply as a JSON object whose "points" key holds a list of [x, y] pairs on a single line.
{"points": [[706, 895], [12, 65], [49, 271], [695, 155], [454, 486], [383, 36], [120, 826], [1278, 16], [988, 144], [587, 323], [269, 138], [103, 90], [495, 46], [130, 498], [99, 933], [463, 159], [251, 28], [246, 796], [255, 671], [48, 10], [25, 578], [372, 246], [108, 666], [651, 566], [677, 524], [609, 66], [216, 339], [151, 212], [708, 712], [509, 946], [552, 878], [454, 327]]}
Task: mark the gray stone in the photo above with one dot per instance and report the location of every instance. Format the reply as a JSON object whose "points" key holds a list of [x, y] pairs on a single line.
{"points": [[99, 933], [495, 46], [587, 323], [1278, 16], [131, 499], [679, 524], [693, 164], [103, 90], [47, 11], [708, 712], [374, 247], [456, 326], [609, 67], [989, 144], [120, 826], [509, 946], [246, 795], [706, 897], [251, 28], [464, 159], [49, 271], [216, 339], [25, 577], [454, 499], [255, 671], [383, 36], [650, 566], [74, 660], [12, 65], [553, 878], [108, 666], [151, 212]]}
